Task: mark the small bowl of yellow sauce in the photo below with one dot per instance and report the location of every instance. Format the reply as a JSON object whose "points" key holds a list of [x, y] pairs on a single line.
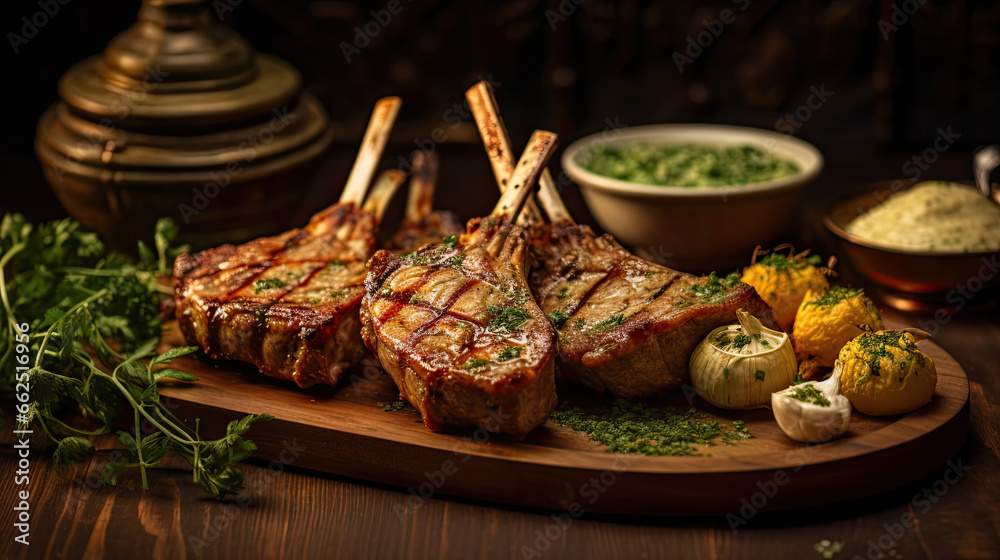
{"points": [[932, 245]]}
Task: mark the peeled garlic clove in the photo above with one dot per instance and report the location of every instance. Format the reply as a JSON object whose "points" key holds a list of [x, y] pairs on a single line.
{"points": [[813, 411]]}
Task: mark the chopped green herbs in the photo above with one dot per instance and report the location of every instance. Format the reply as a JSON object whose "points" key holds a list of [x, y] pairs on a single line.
{"points": [[563, 293], [627, 427], [715, 288], [395, 406], [784, 263], [835, 295], [686, 165], [608, 324], [267, 284], [558, 318], [508, 319], [741, 431], [450, 241], [809, 394], [476, 364], [337, 294], [456, 261], [682, 304], [336, 262], [509, 353], [878, 345], [730, 339]]}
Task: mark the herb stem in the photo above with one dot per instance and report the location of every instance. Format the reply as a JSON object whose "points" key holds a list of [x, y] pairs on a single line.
{"points": [[48, 332], [77, 430], [138, 451]]}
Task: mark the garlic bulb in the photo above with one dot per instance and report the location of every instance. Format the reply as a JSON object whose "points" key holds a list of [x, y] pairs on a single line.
{"points": [[738, 366], [813, 411]]}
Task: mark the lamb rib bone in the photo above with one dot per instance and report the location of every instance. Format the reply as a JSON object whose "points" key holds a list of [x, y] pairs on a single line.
{"points": [[422, 224]]}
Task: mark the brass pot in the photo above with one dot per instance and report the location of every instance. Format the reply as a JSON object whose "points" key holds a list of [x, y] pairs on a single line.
{"points": [[180, 117]]}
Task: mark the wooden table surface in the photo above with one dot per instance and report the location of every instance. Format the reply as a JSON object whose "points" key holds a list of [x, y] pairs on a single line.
{"points": [[294, 513]]}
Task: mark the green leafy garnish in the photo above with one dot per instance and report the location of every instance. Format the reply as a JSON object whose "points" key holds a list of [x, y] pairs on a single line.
{"points": [[509, 353], [87, 314], [809, 394], [563, 293], [635, 427], [835, 295], [476, 364], [508, 319], [450, 241], [267, 284], [456, 261], [783, 263], [395, 406], [558, 318], [715, 288], [608, 324]]}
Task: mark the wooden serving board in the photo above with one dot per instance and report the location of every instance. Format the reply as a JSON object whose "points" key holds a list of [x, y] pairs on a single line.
{"points": [[343, 431]]}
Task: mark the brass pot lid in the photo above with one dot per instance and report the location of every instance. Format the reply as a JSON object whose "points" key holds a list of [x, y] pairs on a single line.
{"points": [[178, 69], [82, 148]]}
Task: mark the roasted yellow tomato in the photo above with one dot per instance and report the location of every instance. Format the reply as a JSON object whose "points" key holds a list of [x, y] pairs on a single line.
{"points": [[783, 280], [826, 322], [885, 373]]}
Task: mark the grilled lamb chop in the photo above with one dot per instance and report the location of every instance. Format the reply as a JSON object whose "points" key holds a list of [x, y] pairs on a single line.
{"points": [[288, 304], [422, 224], [626, 325], [455, 326]]}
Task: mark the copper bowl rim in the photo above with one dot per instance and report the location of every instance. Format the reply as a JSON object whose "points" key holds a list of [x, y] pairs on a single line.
{"points": [[869, 189]]}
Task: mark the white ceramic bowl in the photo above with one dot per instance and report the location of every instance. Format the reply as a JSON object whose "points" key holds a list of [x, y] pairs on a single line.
{"points": [[694, 228]]}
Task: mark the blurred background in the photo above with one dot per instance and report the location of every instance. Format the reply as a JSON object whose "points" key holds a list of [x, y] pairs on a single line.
{"points": [[891, 74]]}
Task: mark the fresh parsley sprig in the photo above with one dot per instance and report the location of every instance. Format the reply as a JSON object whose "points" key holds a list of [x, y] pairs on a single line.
{"points": [[56, 278]]}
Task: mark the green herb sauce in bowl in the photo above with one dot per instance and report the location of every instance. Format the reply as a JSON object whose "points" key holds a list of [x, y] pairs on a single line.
{"points": [[702, 195], [686, 165]]}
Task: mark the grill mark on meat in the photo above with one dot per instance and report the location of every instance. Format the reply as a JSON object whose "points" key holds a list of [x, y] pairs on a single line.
{"points": [[612, 274], [439, 313], [400, 302], [663, 289]]}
